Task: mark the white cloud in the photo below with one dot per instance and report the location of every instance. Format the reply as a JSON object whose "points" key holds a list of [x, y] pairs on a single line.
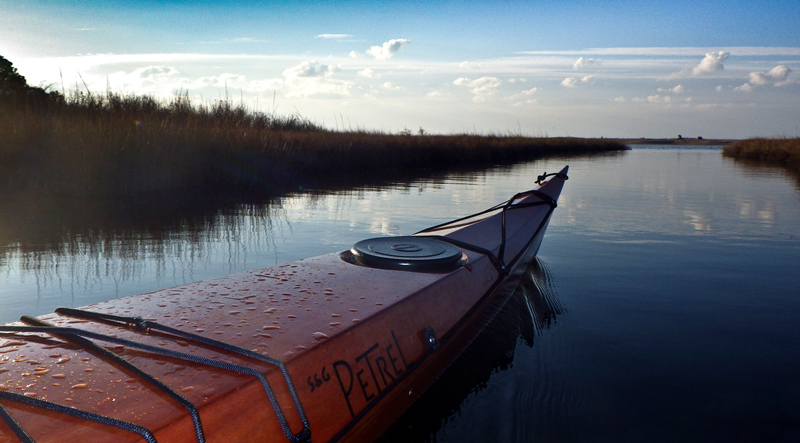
{"points": [[388, 49], [523, 97], [469, 65], [531, 101], [368, 73], [334, 36], [326, 88], [481, 88], [745, 51], [227, 41], [218, 81], [271, 84], [676, 90], [144, 78], [620, 99], [574, 82], [776, 76], [389, 85], [711, 62], [584, 62], [652, 99], [309, 69], [354, 54], [719, 88], [313, 78]]}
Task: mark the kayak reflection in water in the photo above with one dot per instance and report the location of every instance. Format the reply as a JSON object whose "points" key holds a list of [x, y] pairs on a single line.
{"points": [[530, 309]]}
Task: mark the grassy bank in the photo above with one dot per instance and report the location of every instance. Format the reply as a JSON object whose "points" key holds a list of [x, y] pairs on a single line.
{"points": [[91, 144], [678, 142], [774, 151]]}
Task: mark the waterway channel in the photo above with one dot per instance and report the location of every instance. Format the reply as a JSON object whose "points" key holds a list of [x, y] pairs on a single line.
{"points": [[663, 306]]}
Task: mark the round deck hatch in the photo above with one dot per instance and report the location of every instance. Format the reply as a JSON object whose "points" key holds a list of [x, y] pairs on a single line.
{"points": [[407, 253]]}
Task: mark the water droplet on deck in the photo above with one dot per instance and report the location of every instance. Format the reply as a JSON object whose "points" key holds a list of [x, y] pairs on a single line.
{"points": [[79, 386]]}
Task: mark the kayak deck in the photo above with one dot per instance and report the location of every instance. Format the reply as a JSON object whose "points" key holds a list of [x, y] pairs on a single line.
{"points": [[349, 346]]}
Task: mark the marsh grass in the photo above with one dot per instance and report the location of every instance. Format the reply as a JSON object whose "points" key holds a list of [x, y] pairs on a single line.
{"points": [[773, 151], [122, 145]]}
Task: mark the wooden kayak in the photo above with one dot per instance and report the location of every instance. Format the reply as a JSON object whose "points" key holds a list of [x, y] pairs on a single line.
{"points": [[330, 348]]}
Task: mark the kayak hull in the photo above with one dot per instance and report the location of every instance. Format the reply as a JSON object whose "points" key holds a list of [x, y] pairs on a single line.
{"points": [[354, 345]]}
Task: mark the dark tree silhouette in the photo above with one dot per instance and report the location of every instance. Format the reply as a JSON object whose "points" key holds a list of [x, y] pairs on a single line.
{"points": [[10, 80]]}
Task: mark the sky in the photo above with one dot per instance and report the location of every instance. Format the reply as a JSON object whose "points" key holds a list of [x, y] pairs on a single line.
{"points": [[711, 69]]}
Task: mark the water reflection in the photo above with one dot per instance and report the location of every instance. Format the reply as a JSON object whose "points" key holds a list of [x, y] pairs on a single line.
{"points": [[698, 221], [532, 308], [679, 269], [755, 169], [72, 253]]}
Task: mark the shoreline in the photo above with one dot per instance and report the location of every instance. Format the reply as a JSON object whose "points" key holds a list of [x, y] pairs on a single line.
{"points": [[122, 146], [782, 152], [676, 141]]}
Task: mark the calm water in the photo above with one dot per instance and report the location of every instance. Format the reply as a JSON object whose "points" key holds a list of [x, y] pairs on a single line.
{"points": [[664, 305]]}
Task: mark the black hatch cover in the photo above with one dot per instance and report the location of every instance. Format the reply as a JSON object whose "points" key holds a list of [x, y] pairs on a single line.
{"points": [[407, 253]]}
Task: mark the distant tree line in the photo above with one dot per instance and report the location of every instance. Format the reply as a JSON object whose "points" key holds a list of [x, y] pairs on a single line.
{"points": [[14, 88]]}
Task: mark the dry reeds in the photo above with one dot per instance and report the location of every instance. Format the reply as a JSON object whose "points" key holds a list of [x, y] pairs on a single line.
{"points": [[91, 144], [774, 151]]}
